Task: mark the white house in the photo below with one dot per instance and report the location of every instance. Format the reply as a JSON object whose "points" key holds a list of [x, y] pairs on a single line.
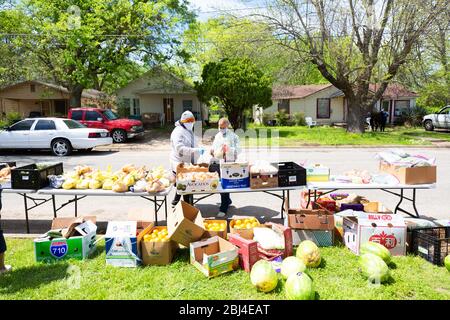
{"points": [[326, 104], [161, 95]]}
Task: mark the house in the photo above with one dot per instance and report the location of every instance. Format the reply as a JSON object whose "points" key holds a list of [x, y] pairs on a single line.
{"points": [[326, 104], [159, 93], [47, 98]]}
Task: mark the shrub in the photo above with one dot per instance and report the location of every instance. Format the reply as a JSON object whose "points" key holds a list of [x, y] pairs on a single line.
{"points": [[13, 117], [3, 124], [299, 119], [267, 117], [123, 110], [282, 118], [413, 117]]}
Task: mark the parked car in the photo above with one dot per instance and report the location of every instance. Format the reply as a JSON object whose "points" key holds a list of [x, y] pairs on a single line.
{"points": [[440, 120], [120, 129], [58, 134]]}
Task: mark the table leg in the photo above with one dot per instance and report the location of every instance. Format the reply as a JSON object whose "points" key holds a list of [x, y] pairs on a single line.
{"points": [[414, 203], [165, 207], [156, 210], [54, 205], [26, 212], [309, 198], [76, 206], [400, 202], [287, 203]]}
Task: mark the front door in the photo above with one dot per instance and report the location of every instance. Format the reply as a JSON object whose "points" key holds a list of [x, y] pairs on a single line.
{"points": [[60, 108], [386, 106], [168, 110]]}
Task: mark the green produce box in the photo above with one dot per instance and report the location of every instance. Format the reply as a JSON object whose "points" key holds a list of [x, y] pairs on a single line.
{"points": [[77, 247]]}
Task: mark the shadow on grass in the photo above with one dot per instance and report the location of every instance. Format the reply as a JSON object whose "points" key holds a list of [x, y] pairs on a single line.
{"points": [[32, 277], [392, 265]]}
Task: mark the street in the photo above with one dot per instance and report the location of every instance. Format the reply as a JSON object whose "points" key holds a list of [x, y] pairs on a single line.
{"points": [[430, 203]]}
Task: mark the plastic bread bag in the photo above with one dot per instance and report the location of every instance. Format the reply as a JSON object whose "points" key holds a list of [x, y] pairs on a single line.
{"points": [[268, 239], [56, 182]]}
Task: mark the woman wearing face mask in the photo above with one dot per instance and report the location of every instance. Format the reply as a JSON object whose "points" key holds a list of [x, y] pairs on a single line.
{"points": [[225, 147], [184, 147]]}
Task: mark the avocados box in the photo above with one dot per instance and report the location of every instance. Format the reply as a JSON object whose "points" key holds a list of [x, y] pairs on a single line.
{"points": [[214, 256], [202, 185], [386, 229], [234, 175], [157, 253], [123, 242], [77, 242], [413, 175], [185, 224]]}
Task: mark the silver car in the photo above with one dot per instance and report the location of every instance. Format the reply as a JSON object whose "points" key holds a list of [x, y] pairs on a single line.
{"points": [[440, 120]]}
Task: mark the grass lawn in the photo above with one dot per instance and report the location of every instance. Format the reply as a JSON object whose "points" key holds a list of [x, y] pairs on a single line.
{"points": [[294, 136], [337, 278]]}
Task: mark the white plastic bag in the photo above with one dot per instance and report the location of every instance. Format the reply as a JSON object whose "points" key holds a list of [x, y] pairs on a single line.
{"points": [[268, 239]]}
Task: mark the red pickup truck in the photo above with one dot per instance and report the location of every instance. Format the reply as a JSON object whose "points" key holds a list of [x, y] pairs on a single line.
{"points": [[120, 129]]}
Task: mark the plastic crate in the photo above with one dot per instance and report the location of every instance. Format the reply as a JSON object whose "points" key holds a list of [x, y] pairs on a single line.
{"points": [[291, 174], [30, 177], [432, 244]]}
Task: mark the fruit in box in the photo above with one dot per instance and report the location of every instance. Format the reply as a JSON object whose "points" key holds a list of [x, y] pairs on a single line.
{"points": [[291, 265], [299, 286], [377, 249], [215, 226], [309, 253], [244, 223], [157, 235], [374, 268], [263, 276]]}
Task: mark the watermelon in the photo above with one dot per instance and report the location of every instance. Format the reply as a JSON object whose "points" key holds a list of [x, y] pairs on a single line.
{"points": [[447, 262], [299, 286], [291, 265], [309, 253], [374, 268], [263, 276], [377, 249]]}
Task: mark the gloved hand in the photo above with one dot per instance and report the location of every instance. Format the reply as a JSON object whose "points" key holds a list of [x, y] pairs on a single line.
{"points": [[200, 151]]}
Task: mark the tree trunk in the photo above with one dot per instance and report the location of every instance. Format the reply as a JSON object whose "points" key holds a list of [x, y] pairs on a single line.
{"points": [[356, 116], [75, 96], [234, 118]]}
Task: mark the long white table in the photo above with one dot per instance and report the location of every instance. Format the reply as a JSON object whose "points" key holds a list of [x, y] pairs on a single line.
{"points": [[78, 194]]}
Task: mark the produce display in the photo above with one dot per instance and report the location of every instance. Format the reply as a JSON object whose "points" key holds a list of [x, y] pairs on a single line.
{"points": [[309, 253], [215, 226], [291, 265], [248, 223], [128, 178], [299, 286], [263, 276], [376, 249], [374, 268], [159, 234]]}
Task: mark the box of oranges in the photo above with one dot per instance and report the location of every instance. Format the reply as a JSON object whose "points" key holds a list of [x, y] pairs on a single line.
{"points": [[243, 226], [157, 248], [215, 228]]}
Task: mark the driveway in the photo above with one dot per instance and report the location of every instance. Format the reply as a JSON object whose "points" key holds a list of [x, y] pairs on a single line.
{"points": [[430, 203]]}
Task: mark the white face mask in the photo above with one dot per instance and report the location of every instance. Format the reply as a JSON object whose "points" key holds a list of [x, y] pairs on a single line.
{"points": [[189, 126], [223, 131]]}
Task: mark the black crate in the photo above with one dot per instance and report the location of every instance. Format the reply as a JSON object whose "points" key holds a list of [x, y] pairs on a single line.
{"points": [[291, 174], [30, 177], [432, 244]]}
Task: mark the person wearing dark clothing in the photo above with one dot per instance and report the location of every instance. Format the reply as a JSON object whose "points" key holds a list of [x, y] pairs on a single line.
{"points": [[3, 268]]}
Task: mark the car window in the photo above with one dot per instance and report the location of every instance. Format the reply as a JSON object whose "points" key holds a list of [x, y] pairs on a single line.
{"points": [[22, 125], [77, 115], [92, 116], [45, 125], [71, 124], [110, 115]]}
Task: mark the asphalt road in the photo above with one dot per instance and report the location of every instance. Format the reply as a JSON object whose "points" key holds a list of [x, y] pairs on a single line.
{"points": [[431, 203]]}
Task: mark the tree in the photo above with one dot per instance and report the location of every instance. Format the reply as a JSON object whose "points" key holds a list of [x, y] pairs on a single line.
{"points": [[85, 43], [238, 85], [347, 39]]}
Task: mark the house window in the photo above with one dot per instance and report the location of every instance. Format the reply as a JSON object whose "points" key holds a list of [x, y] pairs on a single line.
{"points": [[126, 103], [33, 88], [400, 107], [284, 105], [323, 108], [136, 107], [187, 105]]}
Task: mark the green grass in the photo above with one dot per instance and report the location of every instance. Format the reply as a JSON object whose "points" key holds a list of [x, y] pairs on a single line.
{"points": [[323, 135], [336, 278]]}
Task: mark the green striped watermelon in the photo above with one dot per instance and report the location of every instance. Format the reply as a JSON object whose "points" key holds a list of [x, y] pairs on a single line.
{"points": [[377, 249]]}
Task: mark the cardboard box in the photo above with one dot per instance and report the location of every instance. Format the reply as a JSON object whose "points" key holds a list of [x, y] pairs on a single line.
{"points": [[386, 229], [222, 233], [214, 256], [123, 242], [319, 219], [324, 203], [322, 238], [414, 175], [189, 185], [185, 224], [376, 207], [249, 252], [234, 175], [157, 253], [78, 241], [244, 233], [317, 173]]}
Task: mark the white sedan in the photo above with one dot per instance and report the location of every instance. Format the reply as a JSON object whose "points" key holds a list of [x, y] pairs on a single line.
{"points": [[60, 135]]}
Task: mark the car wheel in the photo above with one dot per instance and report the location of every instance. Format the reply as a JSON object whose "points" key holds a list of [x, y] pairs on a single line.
{"points": [[119, 136], [61, 147], [428, 125]]}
